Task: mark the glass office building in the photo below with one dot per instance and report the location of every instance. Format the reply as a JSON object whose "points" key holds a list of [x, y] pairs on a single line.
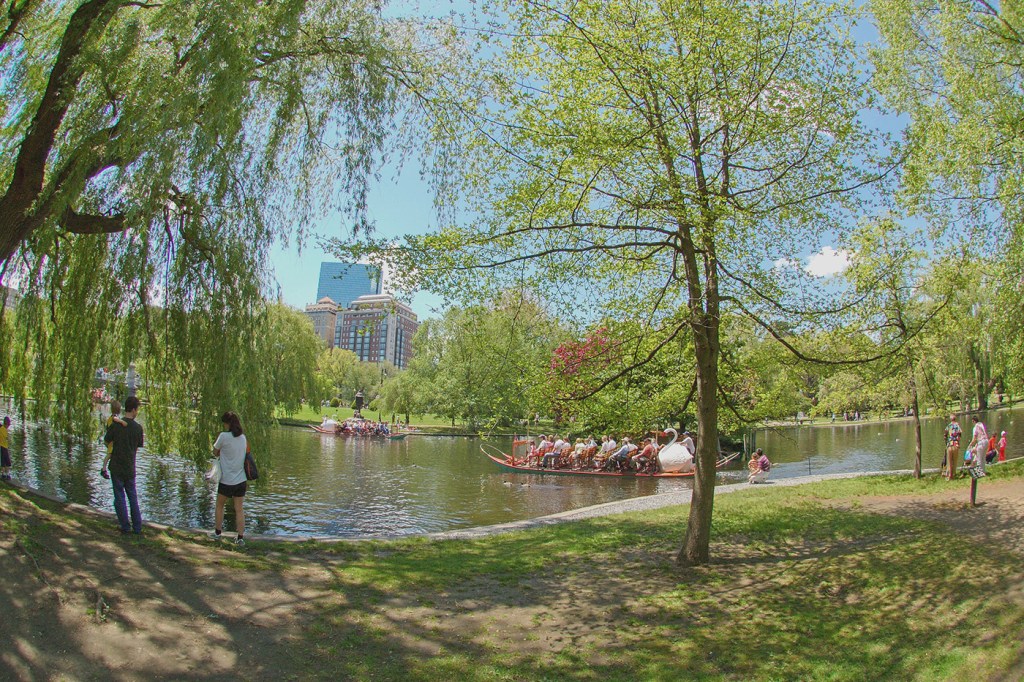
{"points": [[343, 283]]}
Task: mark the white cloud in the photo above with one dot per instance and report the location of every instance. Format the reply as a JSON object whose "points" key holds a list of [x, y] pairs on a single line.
{"points": [[783, 263], [828, 262]]}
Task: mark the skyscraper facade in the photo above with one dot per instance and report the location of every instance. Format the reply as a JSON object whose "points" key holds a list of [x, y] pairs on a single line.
{"points": [[378, 328], [324, 315], [343, 283]]}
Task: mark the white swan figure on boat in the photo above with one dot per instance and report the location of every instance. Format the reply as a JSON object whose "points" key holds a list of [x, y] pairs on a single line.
{"points": [[674, 457]]}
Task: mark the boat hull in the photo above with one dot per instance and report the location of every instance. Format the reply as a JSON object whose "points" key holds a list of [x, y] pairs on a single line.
{"points": [[506, 465]]}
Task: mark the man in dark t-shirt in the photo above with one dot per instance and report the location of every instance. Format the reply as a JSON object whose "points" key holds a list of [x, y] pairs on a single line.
{"points": [[126, 440]]}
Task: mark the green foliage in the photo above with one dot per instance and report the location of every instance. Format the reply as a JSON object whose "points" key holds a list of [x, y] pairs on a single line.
{"points": [[651, 163], [483, 364], [154, 152], [954, 68], [342, 375]]}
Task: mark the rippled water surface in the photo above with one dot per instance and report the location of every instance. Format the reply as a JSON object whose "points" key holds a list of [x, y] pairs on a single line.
{"points": [[319, 485], [313, 484]]}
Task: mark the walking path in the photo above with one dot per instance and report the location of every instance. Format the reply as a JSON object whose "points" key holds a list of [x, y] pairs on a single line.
{"points": [[646, 503]]}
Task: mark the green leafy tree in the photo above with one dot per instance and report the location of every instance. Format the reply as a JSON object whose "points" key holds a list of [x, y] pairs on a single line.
{"points": [[887, 266], [484, 364], [294, 346], [398, 394], [153, 153], [955, 68], [650, 161]]}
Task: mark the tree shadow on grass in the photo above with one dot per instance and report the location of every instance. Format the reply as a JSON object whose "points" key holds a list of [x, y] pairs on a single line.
{"points": [[837, 595], [801, 592]]}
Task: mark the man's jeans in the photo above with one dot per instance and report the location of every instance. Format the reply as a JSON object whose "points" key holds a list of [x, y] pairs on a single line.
{"points": [[124, 488]]}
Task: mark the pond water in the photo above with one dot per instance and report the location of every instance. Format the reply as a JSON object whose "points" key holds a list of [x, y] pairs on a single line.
{"points": [[319, 485], [845, 447]]}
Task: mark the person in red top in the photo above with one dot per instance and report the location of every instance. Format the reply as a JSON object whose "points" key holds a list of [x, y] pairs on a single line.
{"points": [[991, 454], [1002, 447], [643, 460]]}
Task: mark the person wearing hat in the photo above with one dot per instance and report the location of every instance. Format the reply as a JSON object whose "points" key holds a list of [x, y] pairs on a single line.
{"points": [[688, 443], [1002, 447]]}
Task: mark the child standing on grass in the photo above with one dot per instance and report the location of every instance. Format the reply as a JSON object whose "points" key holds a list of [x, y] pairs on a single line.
{"points": [[5, 453]]}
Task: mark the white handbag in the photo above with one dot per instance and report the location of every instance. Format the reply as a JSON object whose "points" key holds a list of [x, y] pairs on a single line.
{"points": [[214, 473]]}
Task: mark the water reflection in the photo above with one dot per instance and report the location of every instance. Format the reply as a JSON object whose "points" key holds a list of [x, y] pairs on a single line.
{"points": [[846, 447], [318, 485]]}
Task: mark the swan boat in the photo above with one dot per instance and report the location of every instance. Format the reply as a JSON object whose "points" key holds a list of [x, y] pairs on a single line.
{"points": [[509, 462], [331, 429]]}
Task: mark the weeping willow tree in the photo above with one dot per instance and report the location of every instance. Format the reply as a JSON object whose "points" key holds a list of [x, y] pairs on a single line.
{"points": [[152, 154]]}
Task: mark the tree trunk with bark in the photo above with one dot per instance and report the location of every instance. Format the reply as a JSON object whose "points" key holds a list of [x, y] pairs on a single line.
{"points": [[23, 206], [696, 542]]}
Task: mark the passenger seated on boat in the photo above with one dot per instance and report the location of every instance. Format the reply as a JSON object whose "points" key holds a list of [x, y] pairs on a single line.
{"points": [[577, 453], [564, 456], [643, 460], [604, 452], [533, 456], [620, 458], [543, 448], [588, 456], [551, 457], [758, 466]]}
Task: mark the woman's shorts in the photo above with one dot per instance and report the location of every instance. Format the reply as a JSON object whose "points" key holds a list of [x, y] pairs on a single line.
{"points": [[5, 457], [237, 490]]}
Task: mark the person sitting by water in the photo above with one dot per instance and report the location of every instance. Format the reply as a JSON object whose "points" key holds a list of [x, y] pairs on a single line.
{"points": [[758, 466], [577, 453], [551, 456], [607, 447], [543, 448]]}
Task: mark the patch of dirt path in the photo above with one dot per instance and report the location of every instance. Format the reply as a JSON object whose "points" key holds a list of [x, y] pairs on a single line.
{"points": [[997, 518]]}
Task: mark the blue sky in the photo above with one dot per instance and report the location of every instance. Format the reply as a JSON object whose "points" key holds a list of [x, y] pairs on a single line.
{"points": [[397, 206], [402, 203]]}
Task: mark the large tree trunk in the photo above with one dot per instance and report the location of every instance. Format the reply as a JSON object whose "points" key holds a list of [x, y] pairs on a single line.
{"points": [[20, 212], [697, 540]]}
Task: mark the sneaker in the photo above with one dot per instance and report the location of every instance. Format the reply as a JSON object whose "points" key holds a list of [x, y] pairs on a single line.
{"points": [[240, 542], [217, 535]]}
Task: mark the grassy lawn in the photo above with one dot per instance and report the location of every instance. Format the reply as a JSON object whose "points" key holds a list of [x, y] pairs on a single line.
{"points": [[800, 590], [807, 583]]}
